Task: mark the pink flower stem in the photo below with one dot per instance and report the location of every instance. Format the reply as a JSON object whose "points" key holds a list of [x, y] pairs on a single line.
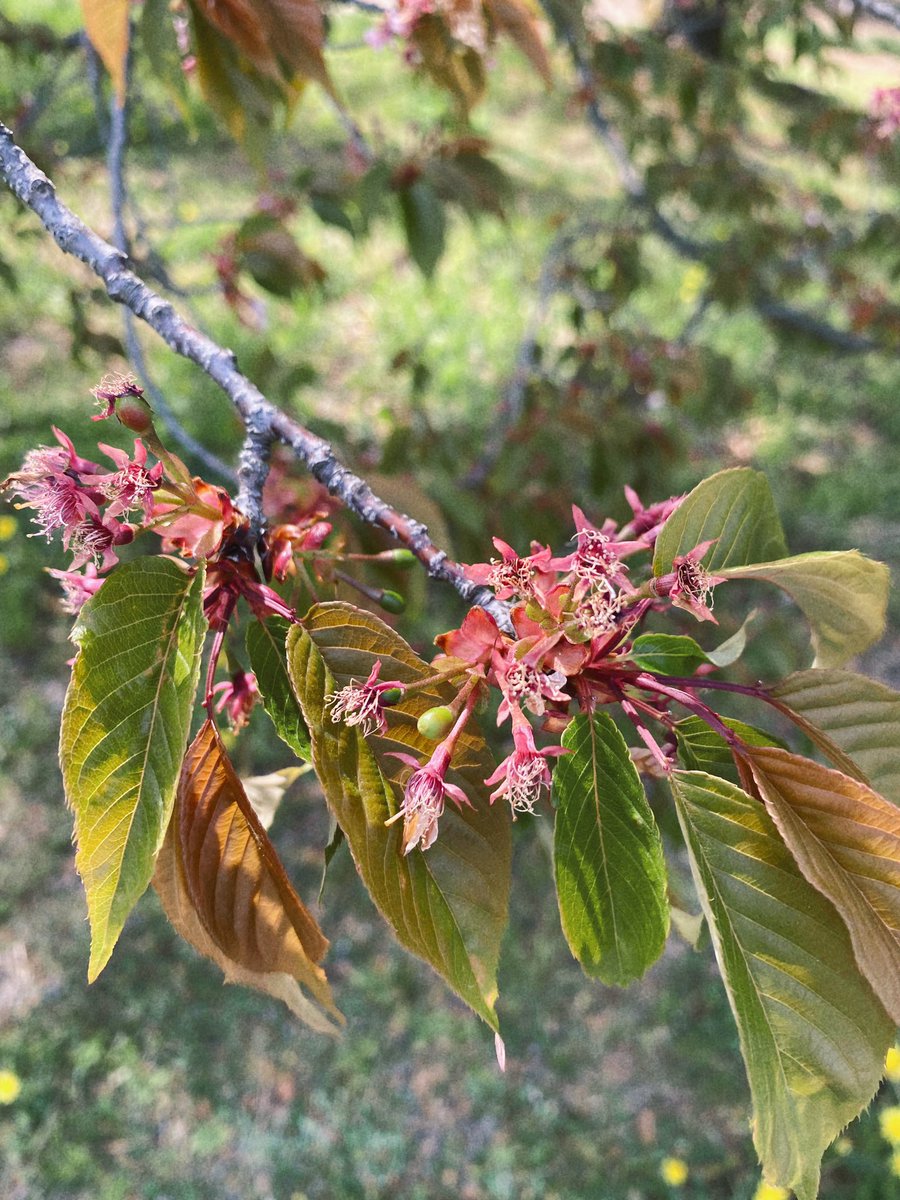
{"points": [[650, 683]]}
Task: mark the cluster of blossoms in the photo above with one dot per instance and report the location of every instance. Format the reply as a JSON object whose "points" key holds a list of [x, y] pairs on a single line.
{"points": [[572, 621], [96, 510]]}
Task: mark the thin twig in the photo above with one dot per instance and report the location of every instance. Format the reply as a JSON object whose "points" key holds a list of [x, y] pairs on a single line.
{"points": [[36, 191]]}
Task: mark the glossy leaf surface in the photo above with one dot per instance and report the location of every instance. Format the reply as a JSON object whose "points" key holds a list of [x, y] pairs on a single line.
{"points": [[124, 731], [268, 661], [448, 905], [737, 509], [607, 853], [812, 1033]]}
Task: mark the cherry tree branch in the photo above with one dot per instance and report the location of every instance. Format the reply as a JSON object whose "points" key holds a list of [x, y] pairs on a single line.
{"points": [[261, 418]]}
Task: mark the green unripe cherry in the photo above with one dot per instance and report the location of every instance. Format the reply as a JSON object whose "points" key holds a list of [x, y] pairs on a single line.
{"points": [[390, 697], [436, 722], [392, 602]]}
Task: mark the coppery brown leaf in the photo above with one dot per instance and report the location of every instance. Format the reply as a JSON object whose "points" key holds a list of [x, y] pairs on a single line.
{"points": [[517, 20], [226, 892], [845, 839]]}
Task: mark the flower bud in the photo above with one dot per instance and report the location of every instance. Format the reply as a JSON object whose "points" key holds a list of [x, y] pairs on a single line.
{"points": [[436, 722], [392, 602]]}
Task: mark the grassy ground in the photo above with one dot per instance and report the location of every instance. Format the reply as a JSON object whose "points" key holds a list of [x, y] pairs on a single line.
{"points": [[160, 1083]]}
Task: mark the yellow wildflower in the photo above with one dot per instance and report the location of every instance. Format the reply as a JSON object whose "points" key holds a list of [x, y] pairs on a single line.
{"points": [[674, 1171], [892, 1065], [889, 1120], [8, 527], [768, 1191], [10, 1086]]}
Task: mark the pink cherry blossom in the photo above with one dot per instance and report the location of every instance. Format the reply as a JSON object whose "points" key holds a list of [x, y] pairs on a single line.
{"points": [[525, 773], [237, 695]]}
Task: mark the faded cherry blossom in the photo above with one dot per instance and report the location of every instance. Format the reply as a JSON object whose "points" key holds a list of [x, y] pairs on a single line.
{"points": [[363, 704]]}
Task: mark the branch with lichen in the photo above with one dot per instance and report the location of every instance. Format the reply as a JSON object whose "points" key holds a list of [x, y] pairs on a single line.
{"points": [[262, 420]]}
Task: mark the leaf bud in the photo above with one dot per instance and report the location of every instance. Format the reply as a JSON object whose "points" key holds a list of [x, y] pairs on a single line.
{"points": [[392, 602], [436, 722]]}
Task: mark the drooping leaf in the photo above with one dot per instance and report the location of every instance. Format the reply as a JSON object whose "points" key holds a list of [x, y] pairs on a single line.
{"points": [[700, 748], [268, 661], [846, 841], [517, 20], [424, 224], [736, 508], [607, 853], [813, 1035], [861, 716], [106, 24], [447, 905], [124, 730], [842, 593], [224, 889], [667, 654]]}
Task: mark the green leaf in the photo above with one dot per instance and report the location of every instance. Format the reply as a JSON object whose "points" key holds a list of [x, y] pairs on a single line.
{"points": [[702, 749], [732, 648], [667, 654], [842, 593], [812, 1033], [424, 223], [607, 852], [124, 731], [331, 212], [447, 905], [737, 508], [846, 840], [268, 661], [859, 715]]}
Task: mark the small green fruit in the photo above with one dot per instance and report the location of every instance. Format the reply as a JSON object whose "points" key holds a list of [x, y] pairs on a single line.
{"points": [[435, 723], [392, 602], [390, 697]]}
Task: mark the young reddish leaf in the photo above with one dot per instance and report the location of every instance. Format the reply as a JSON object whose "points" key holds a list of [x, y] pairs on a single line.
{"points": [[517, 20], [858, 715], [125, 726], [813, 1035], [448, 905], [607, 853], [842, 593], [457, 68], [224, 888], [734, 507], [846, 841], [106, 24]]}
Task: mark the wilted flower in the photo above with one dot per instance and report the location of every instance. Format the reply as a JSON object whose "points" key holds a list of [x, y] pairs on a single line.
{"points": [[237, 695], [423, 797], [523, 774], [363, 704]]}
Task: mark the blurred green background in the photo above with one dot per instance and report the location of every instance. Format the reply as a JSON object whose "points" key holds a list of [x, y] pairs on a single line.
{"points": [[158, 1082]]}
